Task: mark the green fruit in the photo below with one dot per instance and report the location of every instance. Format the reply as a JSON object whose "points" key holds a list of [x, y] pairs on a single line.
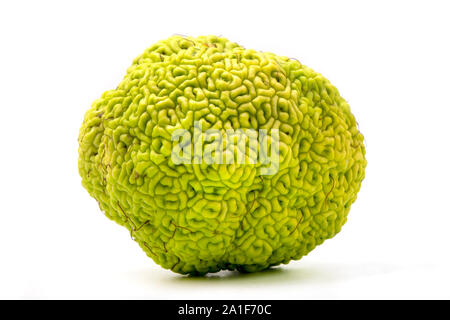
{"points": [[198, 218]]}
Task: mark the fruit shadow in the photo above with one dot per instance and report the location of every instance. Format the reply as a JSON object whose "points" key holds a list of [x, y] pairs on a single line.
{"points": [[316, 273]]}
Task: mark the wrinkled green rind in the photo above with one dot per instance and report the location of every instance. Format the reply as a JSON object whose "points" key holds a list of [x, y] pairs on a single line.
{"points": [[197, 218]]}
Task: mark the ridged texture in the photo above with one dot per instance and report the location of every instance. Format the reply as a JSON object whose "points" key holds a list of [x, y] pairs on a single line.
{"points": [[198, 218]]}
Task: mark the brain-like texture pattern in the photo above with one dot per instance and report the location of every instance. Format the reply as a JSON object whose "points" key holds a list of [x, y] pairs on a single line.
{"points": [[199, 218]]}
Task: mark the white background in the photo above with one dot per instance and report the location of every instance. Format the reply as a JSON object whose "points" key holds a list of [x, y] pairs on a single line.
{"points": [[389, 59]]}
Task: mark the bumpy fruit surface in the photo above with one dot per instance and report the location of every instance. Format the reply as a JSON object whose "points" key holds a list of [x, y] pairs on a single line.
{"points": [[199, 218]]}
